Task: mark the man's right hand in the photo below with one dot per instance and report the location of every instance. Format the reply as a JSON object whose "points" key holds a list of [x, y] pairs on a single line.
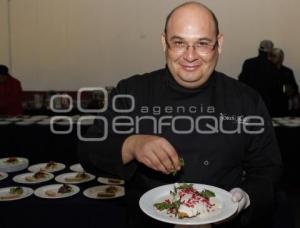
{"points": [[153, 151]]}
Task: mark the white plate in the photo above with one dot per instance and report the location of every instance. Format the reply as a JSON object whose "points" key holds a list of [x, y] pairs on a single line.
{"points": [[62, 178], [291, 124], [105, 180], [3, 176], [24, 123], [37, 167], [14, 119], [13, 167], [159, 194], [5, 192], [44, 122], [21, 178], [76, 168], [93, 191], [38, 117], [41, 192], [4, 122]]}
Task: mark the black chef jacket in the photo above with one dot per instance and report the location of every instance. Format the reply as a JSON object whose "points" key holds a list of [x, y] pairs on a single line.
{"points": [[201, 124]]}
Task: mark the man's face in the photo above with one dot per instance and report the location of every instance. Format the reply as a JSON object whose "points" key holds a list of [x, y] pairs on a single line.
{"points": [[191, 68]]}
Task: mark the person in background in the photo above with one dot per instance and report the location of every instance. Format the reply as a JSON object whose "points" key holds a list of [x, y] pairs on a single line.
{"points": [[258, 73], [248, 165], [10, 94], [287, 98]]}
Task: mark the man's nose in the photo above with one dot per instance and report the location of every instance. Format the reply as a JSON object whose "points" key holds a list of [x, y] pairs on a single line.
{"points": [[191, 54]]}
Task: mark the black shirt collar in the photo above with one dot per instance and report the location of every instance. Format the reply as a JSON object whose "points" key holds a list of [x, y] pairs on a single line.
{"points": [[171, 82]]}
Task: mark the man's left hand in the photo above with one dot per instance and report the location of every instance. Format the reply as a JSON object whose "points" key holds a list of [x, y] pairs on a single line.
{"points": [[240, 196]]}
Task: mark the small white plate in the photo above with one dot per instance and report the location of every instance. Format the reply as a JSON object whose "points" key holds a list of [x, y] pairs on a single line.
{"points": [[4, 122], [38, 117], [3, 176], [4, 192], [159, 194], [41, 192], [63, 178], [111, 181], [37, 167], [13, 119], [291, 124], [93, 191], [77, 168], [6, 167], [24, 123], [21, 178]]}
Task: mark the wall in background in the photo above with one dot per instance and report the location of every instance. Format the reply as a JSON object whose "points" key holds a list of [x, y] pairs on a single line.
{"points": [[69, 44], [4, 33]]}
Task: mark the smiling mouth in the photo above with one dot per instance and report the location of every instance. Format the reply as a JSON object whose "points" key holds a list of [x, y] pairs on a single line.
{"points": [[190, 67]]}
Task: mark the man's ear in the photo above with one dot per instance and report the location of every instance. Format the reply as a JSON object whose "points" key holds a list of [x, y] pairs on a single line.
{"points": [[220, 42], [163, 41]]}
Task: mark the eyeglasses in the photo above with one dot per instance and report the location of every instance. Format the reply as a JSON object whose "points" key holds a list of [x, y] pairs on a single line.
{"points": [[202, 47]]}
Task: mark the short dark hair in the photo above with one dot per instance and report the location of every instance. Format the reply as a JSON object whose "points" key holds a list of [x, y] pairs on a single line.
{"points": [[3, 70], [216, 22]]}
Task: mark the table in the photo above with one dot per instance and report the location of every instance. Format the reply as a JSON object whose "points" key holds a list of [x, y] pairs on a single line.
{"points": [[39, 144], [75, 211], [36, 142]]}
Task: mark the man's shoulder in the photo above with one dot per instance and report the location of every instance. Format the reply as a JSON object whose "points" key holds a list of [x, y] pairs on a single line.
{"points": [[287, 69], [253, 59]]}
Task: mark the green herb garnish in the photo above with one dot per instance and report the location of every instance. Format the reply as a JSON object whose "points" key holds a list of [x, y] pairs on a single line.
{"points": [[181, 163], [168, 206], [184, 186], [16, 190], [207, 194]]}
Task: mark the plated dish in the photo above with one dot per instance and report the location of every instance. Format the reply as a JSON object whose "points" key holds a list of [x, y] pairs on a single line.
{"points": [[4, 122], [111, 181], [13, 164], [76, 168], [3, 175], [104, 192], [14, 193], [33, 178], [188, 204], [50, 167], [56, 191], [74, 178]]}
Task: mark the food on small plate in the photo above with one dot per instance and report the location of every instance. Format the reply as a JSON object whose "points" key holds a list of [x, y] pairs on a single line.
{"points": [[14, 192], [110, 181], [114, 181], [3, 175], [51, 165], [187, 202], [37, 176], [12, 160], [61, 190], [78, 177], [110, 191], [104, 192], [48, 167], [13, 164]]}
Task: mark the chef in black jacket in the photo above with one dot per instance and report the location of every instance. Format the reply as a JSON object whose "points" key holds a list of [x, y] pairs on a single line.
{"points": [[219, 126]]}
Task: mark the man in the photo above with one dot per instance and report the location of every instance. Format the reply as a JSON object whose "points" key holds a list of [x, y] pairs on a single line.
{"points": [[10, 94], [286, 83], [178, 112], [258, 73]]}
